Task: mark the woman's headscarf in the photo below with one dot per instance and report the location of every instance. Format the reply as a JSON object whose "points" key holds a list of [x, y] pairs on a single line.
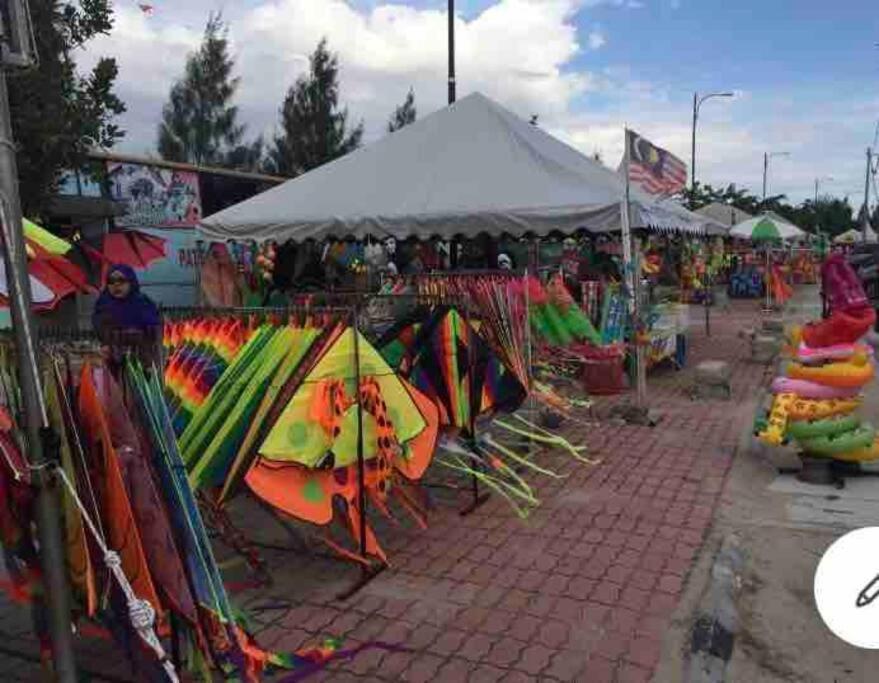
{"points": [[136, 310]]}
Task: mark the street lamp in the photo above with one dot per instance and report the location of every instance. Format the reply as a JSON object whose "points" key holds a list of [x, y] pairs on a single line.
{"points": [[766, 157], [697, 103]]}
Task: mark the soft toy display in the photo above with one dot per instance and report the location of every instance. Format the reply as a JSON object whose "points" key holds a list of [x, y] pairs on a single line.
{"points": [[819, 390]]}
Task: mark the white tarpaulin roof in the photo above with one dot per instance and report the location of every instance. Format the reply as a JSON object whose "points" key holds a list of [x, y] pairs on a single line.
{"points": [[469, 168], [724, 214]]}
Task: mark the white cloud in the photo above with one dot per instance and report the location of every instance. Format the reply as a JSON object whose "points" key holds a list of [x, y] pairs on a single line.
{"points": [[596, 40], [515, 51], [520, 52]]}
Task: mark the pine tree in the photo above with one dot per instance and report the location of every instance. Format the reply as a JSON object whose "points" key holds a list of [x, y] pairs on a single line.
{"points": [[57, 113], [313, 127], [404, 114], [199, 123]]}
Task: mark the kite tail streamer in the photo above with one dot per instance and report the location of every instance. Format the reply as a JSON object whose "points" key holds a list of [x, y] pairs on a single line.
{"points": [[501, 487], [543, 436], [522, 460]]}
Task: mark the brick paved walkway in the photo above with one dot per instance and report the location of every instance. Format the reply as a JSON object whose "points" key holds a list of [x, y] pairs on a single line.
{"points": [[581, 591]]}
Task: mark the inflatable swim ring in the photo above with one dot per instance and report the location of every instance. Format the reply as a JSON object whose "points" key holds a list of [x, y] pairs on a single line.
{"points": [[859, 438], [842, 327], [853, 374], [811, 429], [811, 390], [808, 409], [860, 455], [808, 355]]}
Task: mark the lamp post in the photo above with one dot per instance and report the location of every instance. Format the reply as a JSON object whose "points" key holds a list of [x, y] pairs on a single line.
{"points": [[697, 104], [766, 157]]}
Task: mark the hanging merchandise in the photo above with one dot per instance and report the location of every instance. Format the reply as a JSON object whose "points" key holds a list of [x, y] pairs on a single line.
{"points": [[499, 304], [298, 409], [613, 315], [138, 557], [219, 279], [556, 317], [350, 423], [441, 354], [439, 351], [198, 353]]}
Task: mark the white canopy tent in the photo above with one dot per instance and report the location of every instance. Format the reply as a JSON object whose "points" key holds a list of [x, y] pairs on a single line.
{"points": [[470, 168], [724, 214], [855, 236]]}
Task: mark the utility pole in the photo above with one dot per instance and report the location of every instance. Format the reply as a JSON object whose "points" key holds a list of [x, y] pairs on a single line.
{"points": [[866, 219], [765, 171], [17, 50], [451, 51], [693, 143], [766, 157]]}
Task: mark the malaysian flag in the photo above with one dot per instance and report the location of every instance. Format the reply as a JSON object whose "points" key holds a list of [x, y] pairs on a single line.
{"points": [[652, 168]]}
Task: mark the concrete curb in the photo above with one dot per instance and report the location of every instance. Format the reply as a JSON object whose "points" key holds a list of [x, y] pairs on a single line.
{"points": [[713, 634]]}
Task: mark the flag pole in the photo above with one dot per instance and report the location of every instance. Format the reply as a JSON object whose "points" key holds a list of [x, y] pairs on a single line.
{"points": [[631, 266]]}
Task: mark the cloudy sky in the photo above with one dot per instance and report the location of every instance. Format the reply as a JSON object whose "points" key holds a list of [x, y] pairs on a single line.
{"points": [[805, 72]]}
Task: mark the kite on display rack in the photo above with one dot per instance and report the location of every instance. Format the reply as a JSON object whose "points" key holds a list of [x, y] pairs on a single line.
{"points": [[312, 454], [443, 356], [198, 353], [138, 556], [289, 417]]}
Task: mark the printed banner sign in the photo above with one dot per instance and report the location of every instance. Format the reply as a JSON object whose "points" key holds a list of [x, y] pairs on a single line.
{"points": [[155, 197]]}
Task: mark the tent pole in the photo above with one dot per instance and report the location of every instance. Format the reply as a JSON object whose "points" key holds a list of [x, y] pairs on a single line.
{"points": [[367, 572], [478, 498]]}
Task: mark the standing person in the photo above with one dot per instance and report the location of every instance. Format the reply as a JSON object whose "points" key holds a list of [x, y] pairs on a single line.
{"points": [[125, 318]]}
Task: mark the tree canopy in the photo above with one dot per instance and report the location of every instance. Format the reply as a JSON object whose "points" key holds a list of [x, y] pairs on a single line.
{"points": [[58, 113], [404, 114], [199, 122], [831, 214], [314, 129]]}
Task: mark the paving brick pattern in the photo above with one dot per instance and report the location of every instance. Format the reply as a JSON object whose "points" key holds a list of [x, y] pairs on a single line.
{"points": [[583, 590]]}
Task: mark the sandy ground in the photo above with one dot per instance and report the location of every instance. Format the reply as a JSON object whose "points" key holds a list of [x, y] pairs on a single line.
{"points": [[783, 526]]}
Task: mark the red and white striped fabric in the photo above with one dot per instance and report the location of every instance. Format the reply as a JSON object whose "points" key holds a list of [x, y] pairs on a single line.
{"points": [[653, 169]]}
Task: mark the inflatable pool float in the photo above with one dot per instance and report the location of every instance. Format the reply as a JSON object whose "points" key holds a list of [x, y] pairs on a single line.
{"points": [[831, 446], [842, 327], [812, 390], [867, 454], [832, 426], [771, 430], [850, 375], [809, 409], [807, 355]]}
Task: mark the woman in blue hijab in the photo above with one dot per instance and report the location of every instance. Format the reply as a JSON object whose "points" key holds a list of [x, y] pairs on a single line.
{"points": [[125, 317]]}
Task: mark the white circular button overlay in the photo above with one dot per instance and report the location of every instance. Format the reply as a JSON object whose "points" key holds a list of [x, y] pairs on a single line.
{"points": [[847, 588]]}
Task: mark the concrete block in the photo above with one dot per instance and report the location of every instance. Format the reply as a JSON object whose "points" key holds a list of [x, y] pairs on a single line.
{"points": [[764, 348], [716, 391], [773, 324], [713, 372]]}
